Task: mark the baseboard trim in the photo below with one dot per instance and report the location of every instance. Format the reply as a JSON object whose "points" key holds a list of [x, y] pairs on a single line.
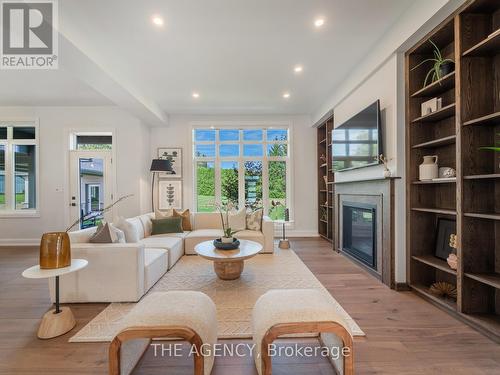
{"points": [[19, 242]]}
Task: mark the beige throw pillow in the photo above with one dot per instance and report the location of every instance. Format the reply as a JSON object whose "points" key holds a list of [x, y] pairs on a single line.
{"points": [[186, 219], [237, 220], [163, 214], [254, 219], [131, 235]]}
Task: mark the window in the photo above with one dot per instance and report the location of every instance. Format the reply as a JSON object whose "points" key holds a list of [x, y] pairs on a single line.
{"points": [[247, 166], [18, 167]]}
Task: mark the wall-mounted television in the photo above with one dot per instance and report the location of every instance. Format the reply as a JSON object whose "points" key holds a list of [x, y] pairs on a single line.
{"points": [[357, 143]]}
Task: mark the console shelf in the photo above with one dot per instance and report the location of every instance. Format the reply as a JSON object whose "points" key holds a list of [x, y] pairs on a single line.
{"points": [[468, 121]]}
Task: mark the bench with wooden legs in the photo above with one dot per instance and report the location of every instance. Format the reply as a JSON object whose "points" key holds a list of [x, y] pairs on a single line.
{"points": [[185, 315], [299, 311]]}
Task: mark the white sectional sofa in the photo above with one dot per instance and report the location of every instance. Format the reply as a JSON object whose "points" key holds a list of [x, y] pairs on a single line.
{"points": [[124, 272]]}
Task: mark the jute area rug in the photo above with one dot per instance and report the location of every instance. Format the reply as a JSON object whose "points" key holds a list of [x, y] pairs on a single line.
{"points": [[234, 299]]}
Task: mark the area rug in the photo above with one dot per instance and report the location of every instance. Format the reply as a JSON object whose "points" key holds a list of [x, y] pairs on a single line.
{"points": [[234, 299]]}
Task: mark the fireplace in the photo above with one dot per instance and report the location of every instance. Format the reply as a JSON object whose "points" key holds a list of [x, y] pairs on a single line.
{"points": [[359, 232]]}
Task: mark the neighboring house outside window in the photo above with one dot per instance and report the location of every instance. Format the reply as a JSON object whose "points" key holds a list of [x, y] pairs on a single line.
{"points": [[18, 167], [249, 166]]}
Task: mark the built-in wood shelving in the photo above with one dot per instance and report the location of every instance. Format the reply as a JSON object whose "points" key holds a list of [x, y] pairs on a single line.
{"points": [[493, 118], [437, 142], [438, 115], [441, 85], [325, 188], [457, 133], [489, 46]]}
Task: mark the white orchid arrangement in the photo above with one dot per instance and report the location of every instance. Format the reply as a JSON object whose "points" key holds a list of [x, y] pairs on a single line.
{"points": [[224, 208]]}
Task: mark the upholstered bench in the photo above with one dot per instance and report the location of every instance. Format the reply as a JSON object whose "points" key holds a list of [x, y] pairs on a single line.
{"points": [[186, 315], [299, 311]]}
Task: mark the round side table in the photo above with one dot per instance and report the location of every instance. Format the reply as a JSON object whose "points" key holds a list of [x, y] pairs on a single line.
{"points": [[58, 321]]}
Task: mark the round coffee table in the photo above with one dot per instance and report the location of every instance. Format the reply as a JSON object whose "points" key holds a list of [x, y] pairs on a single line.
{"points": [[228, 264], [58, 321]]}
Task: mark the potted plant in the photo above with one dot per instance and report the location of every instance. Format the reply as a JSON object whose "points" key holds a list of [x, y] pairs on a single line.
{"points": [[492, 148], [440, 67], [224, 209]]}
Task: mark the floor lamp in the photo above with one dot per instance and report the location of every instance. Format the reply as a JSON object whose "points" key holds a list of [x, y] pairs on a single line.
{"points": [[157, 166]]}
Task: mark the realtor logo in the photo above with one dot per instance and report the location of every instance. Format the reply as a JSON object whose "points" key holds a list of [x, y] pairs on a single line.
{"points": [[29, 34]]}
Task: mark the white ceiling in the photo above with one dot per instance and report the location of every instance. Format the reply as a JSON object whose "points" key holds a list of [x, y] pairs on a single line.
{"points": [[238, 54]]}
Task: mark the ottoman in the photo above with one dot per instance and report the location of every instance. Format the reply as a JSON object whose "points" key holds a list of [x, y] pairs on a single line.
{"points": [[186, 315], [299, 311]]}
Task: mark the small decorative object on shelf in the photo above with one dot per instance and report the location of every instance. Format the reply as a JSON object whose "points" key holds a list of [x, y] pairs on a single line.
{"points": [[224, 209], [385, 161], [323, 158], [429, 168], [55, 247], [440, 66], [444, 289], [452, 259], [233, 245], [446, 172], [325, 178], [431, 106]]}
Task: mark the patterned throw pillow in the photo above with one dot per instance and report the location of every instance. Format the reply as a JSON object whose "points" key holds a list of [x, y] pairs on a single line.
{"points": [[254, 219]]}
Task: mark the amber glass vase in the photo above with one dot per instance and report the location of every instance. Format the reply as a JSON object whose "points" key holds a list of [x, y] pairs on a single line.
{"points": [[55, 250]]}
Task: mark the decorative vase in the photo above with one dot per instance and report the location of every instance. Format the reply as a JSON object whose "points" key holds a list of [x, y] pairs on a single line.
{"points": [[227, 239], [452, 261], [429, 168], [55, 250], [387, 173]]}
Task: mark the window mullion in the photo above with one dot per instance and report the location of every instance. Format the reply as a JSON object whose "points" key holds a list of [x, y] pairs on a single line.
{"points": [[9, 179]]}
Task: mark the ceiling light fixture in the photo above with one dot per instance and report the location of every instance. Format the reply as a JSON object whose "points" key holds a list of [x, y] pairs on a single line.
{"points": [[298, 69], [318, 22], [196, 95], [157, 20], [286, 95]]}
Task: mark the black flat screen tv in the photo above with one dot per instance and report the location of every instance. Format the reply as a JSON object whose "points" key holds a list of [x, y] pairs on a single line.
{"points": [[357, 143]]}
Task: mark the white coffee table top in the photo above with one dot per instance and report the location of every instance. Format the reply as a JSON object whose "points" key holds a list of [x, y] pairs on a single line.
{"points": [[246, 250], [36, 272]]}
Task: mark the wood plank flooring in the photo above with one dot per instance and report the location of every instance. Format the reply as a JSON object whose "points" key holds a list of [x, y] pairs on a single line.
{"points": [[405, 334]]}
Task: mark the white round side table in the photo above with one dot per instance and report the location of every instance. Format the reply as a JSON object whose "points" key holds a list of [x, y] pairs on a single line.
{"points": [[58, 321]]}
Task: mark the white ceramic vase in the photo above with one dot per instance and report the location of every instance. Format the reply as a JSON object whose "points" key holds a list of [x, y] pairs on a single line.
{"points": [[429, 168], [227, 239]]}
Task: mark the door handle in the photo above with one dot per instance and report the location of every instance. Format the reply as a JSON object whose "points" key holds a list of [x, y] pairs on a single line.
{"points": [[73, 204]]}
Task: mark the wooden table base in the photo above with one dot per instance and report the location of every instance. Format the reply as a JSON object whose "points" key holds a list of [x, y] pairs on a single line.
{"points": [[229, 270], [54, 325]]}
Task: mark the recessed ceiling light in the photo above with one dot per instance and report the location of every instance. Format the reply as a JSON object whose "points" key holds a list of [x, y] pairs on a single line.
{"points": [[286, 95], [298, 68], [157, 20], [318, 22], [196, 95]]}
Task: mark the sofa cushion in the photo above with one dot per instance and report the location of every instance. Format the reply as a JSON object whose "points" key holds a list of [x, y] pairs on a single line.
{"points": [[254, 219], [207, 220], [146, 223], [171, 243], [237, 219], [167, 225], [137, 223], [129, 227], [199, 235], [155, 266], [186, 219], [81, 236]]}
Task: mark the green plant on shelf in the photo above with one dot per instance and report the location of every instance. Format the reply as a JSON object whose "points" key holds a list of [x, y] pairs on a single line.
{"points": [[440, 65]]}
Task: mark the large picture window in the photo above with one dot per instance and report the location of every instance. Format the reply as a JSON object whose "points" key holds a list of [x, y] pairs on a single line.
{"points": [[18, 167], [248, 166]]}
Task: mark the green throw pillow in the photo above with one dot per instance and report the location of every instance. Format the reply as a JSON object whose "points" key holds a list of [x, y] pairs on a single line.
{"points": [[167, 225]]}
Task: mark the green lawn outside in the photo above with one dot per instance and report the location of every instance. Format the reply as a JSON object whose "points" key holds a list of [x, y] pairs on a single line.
{"points": [[19, 198]]}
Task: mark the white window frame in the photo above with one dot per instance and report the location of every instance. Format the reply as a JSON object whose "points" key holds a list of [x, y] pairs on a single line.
{"points": [[242, 159], [9, 143]]}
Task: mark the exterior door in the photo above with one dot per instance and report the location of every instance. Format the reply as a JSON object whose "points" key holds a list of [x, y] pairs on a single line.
{"points": [[90, 187]]}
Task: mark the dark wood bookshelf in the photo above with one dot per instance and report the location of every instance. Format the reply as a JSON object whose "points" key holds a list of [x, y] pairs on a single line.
{"points": [[325, 189], [468, 120]]}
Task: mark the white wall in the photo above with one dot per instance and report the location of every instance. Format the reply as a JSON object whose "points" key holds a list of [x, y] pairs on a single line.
{"points": [[132, 165], [383, 84], [178, 134]]}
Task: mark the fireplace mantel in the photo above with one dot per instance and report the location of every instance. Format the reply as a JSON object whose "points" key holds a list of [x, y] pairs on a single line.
{"points": [[379, 192]]}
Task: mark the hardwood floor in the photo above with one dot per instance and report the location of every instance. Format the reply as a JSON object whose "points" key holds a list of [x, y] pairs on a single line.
{"points": [[405, 334]]}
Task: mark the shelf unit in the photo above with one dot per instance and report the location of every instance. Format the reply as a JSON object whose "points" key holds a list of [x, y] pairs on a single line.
{"points": [[325, 189], [468, 120]]}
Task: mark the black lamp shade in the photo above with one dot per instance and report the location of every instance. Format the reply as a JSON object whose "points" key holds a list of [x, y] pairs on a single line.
{"points": [[161, 165]]}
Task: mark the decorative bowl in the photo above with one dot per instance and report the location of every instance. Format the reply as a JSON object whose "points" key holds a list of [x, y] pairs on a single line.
{"points": [[226, 246]]}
